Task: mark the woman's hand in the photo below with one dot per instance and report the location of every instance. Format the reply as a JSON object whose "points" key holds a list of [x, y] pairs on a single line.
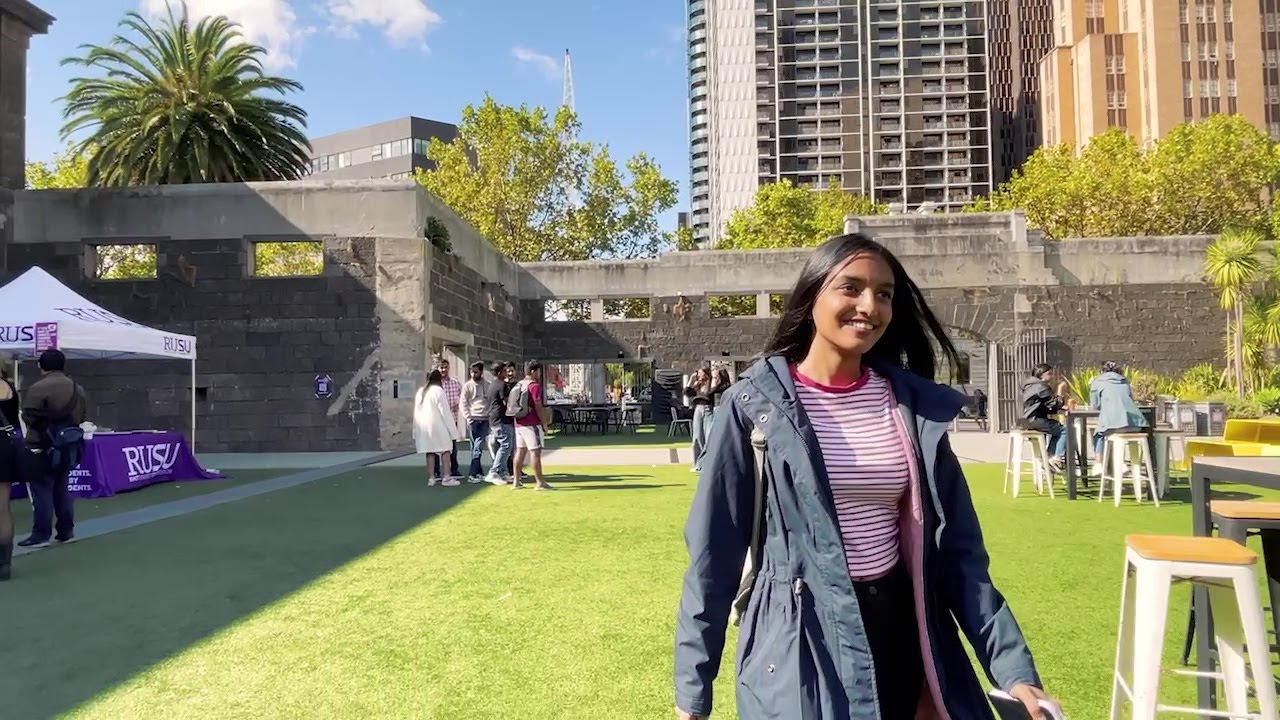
{"points": [[1030, 697], [682, 715]]}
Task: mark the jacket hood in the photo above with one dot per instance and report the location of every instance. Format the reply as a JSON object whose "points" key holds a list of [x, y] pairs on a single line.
{"points": [[1031, 381], [1111, 377], [926, 398]]}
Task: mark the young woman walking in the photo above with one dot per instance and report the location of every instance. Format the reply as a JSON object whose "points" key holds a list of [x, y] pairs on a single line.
{"points": [[872, 554], [699, 394], [435, 429]]}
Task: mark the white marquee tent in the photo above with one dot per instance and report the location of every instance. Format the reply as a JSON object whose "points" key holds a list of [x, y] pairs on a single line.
{"points": [[36, 300]]}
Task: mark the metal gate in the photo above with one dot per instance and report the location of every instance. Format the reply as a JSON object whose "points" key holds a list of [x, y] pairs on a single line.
{"points": [[1014, 361]]}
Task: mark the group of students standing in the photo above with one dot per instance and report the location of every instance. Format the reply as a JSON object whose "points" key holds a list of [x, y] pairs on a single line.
{"points": [[506, 415]]}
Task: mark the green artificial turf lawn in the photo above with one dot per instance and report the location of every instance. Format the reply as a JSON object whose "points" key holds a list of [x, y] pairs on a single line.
{"points": [[371, 596]]}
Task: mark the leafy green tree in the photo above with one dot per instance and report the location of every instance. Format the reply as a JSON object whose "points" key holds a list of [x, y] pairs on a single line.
{"points": [[125, 262], [288, 259], [787, 215], [1202, 178], [522, 179], [67, 170], [177, 103]]}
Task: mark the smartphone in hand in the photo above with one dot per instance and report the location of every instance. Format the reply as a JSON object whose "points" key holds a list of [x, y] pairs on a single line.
{"points": [[1010, 708]]}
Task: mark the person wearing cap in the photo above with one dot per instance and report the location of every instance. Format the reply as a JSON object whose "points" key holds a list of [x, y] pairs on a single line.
{"points": [[52, 403]]}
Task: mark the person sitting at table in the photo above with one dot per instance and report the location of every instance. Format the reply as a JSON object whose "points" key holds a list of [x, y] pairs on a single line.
{"points": [[1039, 405], [52, 404], [1112, 396]]}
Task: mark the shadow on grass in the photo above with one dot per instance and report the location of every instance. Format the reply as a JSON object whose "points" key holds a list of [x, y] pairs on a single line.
{"points": [[79, 620], [620, 487], [569, 479]]}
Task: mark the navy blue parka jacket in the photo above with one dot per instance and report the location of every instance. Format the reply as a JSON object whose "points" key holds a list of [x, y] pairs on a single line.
{"points": [[802, 650]]}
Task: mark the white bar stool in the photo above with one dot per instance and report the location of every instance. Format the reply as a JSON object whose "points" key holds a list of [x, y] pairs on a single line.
{"points": [[1152, 564], [1037, 459], [1127, 454]]}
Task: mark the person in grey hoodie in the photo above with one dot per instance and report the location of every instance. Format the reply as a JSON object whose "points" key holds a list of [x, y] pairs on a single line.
{"points": [[1039, 404], [1111, 394]]}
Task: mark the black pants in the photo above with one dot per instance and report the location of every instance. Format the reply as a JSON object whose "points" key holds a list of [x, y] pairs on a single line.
{"points": [[889, 616], [50, 497]]}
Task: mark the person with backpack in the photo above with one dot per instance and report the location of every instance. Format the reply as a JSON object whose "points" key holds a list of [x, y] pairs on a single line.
{"points": [[866, 555], [53, 409], [502, 427], [531, 419]]}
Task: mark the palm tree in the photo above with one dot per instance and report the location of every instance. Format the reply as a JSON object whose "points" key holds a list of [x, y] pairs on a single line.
{"points": [[181, 104], [1232, 265]]}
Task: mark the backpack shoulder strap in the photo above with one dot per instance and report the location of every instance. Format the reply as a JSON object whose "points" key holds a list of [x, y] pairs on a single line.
{"points": [[757, 512]]}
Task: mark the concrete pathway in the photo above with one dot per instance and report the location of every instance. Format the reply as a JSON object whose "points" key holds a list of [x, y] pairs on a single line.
{"points": [[164, 511]]}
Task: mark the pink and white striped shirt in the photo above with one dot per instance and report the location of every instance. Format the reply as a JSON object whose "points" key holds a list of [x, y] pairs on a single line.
{"points": [[866, 462]]}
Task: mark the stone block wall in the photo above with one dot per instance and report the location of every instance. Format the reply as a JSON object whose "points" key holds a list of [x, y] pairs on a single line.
{"points": [[465, 301], [260, 344], [1161, 328]]}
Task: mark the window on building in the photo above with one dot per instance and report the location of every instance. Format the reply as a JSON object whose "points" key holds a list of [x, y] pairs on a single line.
{"points": [[566, 310], [727, 306], [1186, 89], [1230, 47], [296, 258], [627, 309], [123, 262], [1186, 52], [1231, 87], [1182, 11], [1209, 14], [1226, 11], [1273, 58]]}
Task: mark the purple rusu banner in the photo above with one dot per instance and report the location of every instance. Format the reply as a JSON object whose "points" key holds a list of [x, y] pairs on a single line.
{"points": [[46, 336], [120, 462]]}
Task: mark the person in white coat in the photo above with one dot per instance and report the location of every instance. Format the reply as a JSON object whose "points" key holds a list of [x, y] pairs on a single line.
{"points": [[435, 428]]}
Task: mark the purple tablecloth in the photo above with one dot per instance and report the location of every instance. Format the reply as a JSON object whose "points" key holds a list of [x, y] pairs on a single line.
{"points": [[120, 462]]}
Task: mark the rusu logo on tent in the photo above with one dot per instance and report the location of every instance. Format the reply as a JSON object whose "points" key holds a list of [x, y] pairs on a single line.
{"points": [[177, 345], [24, 334], [96, 315], [148, 461]]}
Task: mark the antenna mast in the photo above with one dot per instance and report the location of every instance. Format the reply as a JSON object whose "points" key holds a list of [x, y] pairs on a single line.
{"points": [[568, 83]]}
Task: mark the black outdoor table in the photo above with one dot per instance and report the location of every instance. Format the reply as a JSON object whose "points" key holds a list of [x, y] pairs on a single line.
{"points": [[1261, 472], [1081, 454]]}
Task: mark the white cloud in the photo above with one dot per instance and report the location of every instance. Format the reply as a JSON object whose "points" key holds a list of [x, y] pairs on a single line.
{"points": [[544, 64], [272, 24], [402, 21]]}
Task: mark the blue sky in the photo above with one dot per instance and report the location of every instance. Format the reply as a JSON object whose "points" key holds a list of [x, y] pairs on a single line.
{"points": [[365, 61]]}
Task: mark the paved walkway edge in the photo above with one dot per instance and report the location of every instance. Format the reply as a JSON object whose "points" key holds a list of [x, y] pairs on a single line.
{"points": [[164, 511]]}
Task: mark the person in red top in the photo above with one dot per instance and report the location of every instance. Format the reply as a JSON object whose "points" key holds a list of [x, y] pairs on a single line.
{"points": [[530, 429]]}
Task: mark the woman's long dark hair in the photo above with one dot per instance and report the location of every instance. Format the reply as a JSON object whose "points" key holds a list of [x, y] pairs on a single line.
{"points": [[435, 378], [908, 341]]}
